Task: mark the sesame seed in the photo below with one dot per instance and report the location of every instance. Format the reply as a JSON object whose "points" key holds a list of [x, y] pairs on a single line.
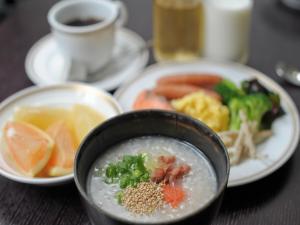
{"points": [[143, 199]]}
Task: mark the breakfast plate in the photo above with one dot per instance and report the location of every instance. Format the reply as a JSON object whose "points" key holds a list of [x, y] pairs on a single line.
{"points": [[276, 150], [64, 96], [45, 65]]}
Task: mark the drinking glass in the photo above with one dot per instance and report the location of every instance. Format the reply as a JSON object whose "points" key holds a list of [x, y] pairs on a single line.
{"points": [[178, 29], [227, 27]]}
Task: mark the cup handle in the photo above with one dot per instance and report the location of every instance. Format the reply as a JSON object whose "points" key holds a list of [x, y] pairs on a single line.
{"points": [[123, 14]]}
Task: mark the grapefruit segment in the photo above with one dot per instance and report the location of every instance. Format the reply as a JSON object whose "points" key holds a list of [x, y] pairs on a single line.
{"points": [[85, 119], [27, 147], [62, 157], [42, 116]]}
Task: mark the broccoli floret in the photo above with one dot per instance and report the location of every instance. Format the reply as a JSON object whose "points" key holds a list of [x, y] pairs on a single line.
{"points": [[254, 86], [228, 90], [254, 106]]}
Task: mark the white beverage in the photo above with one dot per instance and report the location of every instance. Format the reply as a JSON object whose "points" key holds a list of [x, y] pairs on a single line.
{"points": [[227, 25]]}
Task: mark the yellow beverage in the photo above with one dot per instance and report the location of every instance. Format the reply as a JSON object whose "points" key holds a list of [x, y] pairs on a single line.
{"points": [[178, 29]]}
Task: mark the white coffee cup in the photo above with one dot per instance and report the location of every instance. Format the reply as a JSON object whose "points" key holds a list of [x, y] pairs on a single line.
{"points": [[87, 48]]}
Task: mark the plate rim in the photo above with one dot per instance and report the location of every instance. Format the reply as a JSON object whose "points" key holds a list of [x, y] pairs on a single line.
{"points": [[292, 146], [32, 90], [33, 76]]}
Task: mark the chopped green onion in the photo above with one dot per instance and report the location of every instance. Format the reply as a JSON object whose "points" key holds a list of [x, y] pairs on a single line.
{"points": [[119, 197], [111, 171], [137, 173], [129, 171]]}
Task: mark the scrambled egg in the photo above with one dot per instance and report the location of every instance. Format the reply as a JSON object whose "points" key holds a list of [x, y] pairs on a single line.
{"points": [[204, 108]]}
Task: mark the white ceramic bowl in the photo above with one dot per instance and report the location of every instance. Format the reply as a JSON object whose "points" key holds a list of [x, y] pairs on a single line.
{"points": [[275, 151], [53, 95]]}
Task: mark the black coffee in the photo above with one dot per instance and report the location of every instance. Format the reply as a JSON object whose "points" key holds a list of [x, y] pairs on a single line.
{"points": [[83, 22]]}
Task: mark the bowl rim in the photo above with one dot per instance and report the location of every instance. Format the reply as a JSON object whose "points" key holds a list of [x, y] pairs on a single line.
{"points": [[51, 181], [167, 114]]}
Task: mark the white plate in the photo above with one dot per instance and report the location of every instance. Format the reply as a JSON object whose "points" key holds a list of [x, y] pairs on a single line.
{"points": [[64, 95], [45, 64], [277, 149]]}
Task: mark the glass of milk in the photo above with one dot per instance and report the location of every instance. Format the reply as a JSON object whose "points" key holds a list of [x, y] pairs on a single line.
{"points": [[227, 25]]}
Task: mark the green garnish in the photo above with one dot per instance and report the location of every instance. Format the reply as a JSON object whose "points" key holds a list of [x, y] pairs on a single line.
{"points": [[127, 172], [119, 197], [228, 90]]}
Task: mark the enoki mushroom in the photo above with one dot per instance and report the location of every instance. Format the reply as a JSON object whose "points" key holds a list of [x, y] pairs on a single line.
{"points": [[242, 144]]}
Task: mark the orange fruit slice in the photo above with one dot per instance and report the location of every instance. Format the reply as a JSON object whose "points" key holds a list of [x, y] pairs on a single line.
{"points": [[62, 157], [27, 147], [85, 119], [42, 116]]}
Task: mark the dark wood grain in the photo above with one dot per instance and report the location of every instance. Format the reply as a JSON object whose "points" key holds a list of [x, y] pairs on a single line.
{"points": [[274, 200]]}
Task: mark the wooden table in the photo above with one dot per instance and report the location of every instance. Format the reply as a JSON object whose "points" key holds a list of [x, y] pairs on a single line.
{"points": [[274, 200]]}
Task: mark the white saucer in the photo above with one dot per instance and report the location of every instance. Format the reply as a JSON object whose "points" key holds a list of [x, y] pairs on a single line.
{"points": [[45, 65]]}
